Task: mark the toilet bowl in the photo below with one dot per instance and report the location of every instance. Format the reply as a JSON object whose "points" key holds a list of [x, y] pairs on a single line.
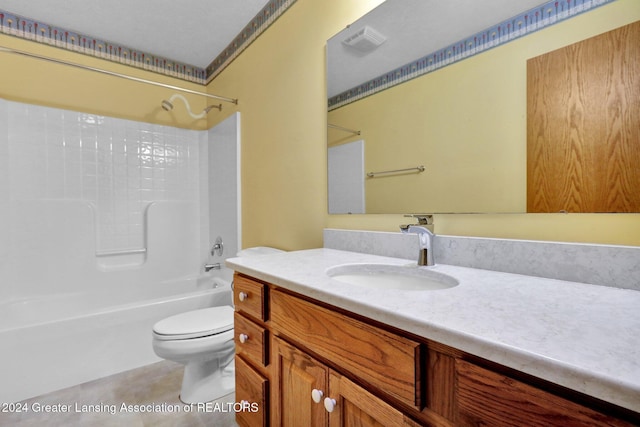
{"points": [[202, 340]]}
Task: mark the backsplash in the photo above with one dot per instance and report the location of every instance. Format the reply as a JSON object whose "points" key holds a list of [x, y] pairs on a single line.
{"points": [[606, 265]]}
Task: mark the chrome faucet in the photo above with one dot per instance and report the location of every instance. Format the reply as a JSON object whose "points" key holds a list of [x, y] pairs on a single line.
{"points": [[209, 267], [425, 256]]}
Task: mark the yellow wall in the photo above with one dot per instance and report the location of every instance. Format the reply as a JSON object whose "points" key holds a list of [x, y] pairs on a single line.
{"points": [[34, 81], [461, 122], [280, 81]]}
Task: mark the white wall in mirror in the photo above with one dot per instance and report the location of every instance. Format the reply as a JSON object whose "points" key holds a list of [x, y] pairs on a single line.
{"points": [[346, 178]]}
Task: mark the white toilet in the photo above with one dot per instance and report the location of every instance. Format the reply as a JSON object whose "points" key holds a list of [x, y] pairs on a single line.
{"points": [[202, 340]]}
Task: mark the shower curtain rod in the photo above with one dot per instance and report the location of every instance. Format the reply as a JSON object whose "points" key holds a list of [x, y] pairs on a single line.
{"points": [[114, 74]]}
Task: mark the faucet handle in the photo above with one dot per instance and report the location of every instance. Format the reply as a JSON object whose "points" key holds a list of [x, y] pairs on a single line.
{"points": [[423, 219], [218, 247]]}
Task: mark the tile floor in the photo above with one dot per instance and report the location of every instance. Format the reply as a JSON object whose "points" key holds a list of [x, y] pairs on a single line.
{"points": [[157, 384]]}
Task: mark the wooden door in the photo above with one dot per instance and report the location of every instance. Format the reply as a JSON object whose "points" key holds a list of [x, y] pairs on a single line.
{"points": [[583, 126], [297, 375]]}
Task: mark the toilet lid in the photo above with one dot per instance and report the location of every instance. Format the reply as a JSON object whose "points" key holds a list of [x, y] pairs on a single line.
{"points": [[196, 323]]}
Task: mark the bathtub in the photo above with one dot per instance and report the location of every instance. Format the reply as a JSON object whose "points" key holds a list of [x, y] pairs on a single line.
{"points": [[53, 342]]}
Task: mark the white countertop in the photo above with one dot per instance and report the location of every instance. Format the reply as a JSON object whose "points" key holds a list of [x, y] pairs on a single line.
{"points": [[583, 337]]}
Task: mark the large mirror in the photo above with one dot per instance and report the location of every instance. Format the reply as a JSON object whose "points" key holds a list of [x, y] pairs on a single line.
{"points": [[453, 138]]}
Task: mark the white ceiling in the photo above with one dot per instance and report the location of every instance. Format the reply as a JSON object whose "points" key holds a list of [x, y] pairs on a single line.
{"points": [[414, 28], [189, 31]]}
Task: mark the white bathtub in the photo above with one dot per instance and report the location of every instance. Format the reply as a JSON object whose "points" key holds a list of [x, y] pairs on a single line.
{"points": [[52, 342]]}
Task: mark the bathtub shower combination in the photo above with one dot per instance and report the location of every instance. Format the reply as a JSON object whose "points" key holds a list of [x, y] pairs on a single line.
{"points": [[104, 231], [59, 341]]}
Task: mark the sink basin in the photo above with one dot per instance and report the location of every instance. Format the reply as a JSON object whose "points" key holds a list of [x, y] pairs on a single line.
{"points": [[386, 276]]}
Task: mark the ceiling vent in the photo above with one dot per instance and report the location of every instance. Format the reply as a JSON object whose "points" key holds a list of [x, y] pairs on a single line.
{"points": [[365, 40]]}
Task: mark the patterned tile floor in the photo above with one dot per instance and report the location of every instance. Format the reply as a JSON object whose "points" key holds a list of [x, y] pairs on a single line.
{"points": [[112, 401]]}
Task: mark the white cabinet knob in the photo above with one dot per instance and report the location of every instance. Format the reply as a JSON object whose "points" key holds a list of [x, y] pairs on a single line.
{"points": [[243, 296], [329, 404], [243, 338], [316, 395]]}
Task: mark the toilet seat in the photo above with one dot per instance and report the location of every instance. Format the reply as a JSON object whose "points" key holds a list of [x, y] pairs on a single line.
{"points": [[195, 324]]}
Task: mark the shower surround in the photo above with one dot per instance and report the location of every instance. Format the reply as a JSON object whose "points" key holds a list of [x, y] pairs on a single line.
{"points": [[100, 216]]}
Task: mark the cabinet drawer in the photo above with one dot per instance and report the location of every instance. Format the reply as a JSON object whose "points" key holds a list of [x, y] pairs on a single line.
{"points": [[383, 359], [252, 388], [488, 398], [251, 339], [249, 296]]}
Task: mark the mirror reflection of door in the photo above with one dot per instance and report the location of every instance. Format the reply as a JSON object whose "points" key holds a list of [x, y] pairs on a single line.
{"points": [[583, 126]]}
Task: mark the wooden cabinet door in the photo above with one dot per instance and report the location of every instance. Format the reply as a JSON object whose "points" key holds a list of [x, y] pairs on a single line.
{"points": [[253, 388], [356, 407], [297, 376]]}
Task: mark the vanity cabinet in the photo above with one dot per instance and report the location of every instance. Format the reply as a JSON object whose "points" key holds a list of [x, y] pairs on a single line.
{"points": [[309, 364]]}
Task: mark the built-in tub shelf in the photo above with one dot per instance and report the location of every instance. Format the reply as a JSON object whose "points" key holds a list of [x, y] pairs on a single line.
{"points": [[100, 254], [120, 259]]}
